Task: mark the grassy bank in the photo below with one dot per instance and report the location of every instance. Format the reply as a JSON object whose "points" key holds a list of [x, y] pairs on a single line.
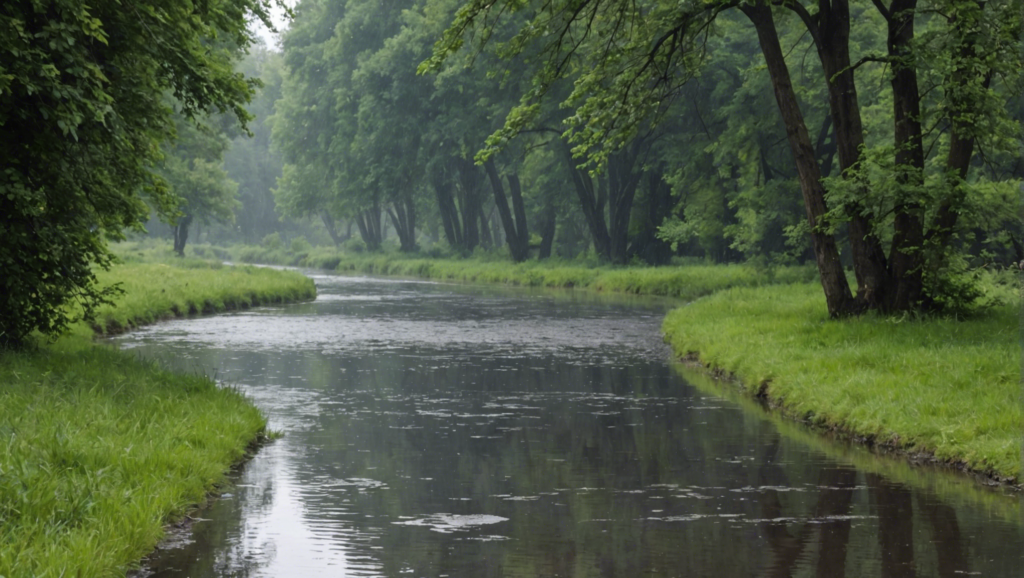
{"points": [[101, 449], [157, 290], [944, 387], [685, 282]]}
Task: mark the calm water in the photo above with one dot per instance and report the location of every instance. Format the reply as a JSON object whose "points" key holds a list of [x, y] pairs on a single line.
{"points": [[435, 430]]}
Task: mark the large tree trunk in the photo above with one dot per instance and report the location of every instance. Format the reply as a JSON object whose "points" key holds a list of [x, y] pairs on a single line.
{"points": [[369, 225], [591, 198], [833, 280], [904, 290], [181, 234], [623, 181], [403, 217], [516, 235], [830, 30], [332, 229]]}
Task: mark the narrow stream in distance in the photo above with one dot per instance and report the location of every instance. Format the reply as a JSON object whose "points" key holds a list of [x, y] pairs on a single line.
{"points": [[435, 430]]}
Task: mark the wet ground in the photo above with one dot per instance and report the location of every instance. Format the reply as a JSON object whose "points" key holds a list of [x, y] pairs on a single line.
{"points": [[436, 430]]}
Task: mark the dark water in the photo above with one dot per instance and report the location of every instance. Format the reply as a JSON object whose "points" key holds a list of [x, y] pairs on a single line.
{"points": [[436, 430]]}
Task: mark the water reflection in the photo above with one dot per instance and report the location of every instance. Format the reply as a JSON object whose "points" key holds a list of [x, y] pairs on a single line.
{"points": [[434, 430]]}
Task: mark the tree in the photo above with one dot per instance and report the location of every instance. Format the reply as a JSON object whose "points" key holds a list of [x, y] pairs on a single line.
{"points": [[82, 114], [629, 60], [250, 161], [193, 170]]}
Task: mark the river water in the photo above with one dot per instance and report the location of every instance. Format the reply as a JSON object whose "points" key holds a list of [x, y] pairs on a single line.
{"points": [[434, 430]]}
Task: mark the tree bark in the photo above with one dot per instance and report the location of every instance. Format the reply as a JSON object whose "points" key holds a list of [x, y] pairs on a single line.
{"points": [[449, 211], [469, 197], [961, 135], [623, 181], [181, 234], [591, 202], [830, 30], [904, 290], [833, 280], [403, 217], [368, 222], [515, 226], [331, 227]]}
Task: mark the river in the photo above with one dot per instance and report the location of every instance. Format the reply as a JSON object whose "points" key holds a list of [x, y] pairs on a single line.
{"points": [[438, 430]]}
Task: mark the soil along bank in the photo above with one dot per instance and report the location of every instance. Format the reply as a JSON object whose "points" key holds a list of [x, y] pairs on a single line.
{"points": [[944, 387], [101, 449]]}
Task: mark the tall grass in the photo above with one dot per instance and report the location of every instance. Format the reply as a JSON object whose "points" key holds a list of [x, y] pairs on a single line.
{"points": [[948, 387], [156, 290], [99, 449]]}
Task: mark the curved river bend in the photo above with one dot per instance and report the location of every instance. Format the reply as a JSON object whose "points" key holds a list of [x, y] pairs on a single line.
{"points": [[437, 430]]}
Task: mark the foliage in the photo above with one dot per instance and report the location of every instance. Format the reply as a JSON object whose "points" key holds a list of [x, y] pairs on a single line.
{"points": [[633, 65], [82, 114]]}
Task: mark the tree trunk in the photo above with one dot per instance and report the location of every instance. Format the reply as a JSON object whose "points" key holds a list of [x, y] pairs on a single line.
{"points": [[591, 201], [403, 217], [369, 226], [830, 29], [332, 230], [469, 197], [833, 280], [488, 235], [448, 210], [905, 256], [547, 229], [623, 181], [181, 234], [515, 227]]}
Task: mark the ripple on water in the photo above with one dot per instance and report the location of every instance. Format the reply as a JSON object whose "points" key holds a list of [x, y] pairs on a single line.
{"points": [[448, 523]]}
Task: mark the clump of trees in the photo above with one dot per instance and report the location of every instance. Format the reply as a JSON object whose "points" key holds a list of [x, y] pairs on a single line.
{"points": [[84, 108], [882, 137]]}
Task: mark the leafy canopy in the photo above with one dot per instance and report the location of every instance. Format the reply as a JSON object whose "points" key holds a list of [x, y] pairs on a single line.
{"points": [[83, 111]]}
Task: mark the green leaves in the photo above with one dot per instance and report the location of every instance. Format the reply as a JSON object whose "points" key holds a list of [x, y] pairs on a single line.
{"points": [[82, 116]]}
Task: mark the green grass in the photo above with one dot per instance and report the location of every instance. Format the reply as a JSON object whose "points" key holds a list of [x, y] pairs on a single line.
{"points": [[686, 282], [99, 449], [156, 290], [938, 385]]}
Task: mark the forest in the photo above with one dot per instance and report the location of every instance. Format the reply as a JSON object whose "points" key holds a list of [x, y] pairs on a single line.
{"points": [[882, 140], [817, 200]]}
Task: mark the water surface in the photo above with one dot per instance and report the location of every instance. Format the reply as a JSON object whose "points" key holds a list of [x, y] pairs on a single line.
{"points": [[436, 430]]}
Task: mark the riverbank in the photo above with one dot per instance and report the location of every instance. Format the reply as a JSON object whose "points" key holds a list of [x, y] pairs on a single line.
{"points": [[935, 389], [101, 449], [684, 282]]}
